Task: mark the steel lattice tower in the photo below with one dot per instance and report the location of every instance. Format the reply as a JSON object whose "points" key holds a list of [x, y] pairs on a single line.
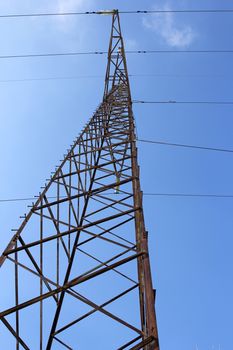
{"points": [[76, 274]]}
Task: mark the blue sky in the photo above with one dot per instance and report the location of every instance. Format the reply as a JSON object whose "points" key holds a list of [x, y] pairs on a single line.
{"points": [[190, 238]]}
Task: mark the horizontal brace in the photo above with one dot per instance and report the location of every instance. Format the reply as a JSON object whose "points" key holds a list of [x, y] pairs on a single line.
{"points": [[70, 284], [88, 193], [129, 343], [92, 168], [95, 235], [110, 232], [47, 239], [86, 273], [98, 149], [94, 310], [111, 205], [145, 342], [105, 264]]}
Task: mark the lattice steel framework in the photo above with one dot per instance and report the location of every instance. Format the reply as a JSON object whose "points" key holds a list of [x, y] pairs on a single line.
{"points": [[76, 274]]}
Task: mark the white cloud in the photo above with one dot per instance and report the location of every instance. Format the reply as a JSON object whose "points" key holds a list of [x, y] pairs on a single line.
{"points": [[165, 25], [131, 44], [70, 5], [66, 23]]}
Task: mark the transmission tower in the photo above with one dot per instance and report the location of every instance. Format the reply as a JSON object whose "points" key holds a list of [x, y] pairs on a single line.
{"points": [[76, 274]]}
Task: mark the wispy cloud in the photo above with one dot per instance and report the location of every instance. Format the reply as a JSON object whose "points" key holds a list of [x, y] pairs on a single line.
{"points": [[169, 29], [131, 44], [66, 23], [71, 5], [73, 29]]}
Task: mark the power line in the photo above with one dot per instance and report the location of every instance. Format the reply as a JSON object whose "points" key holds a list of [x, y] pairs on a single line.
{"points": [[188, 75], [186, 146], [185, 102], [178, 11], [16, 199], [110, 12], [177, 51], [198, 195], [51, 78], [55, 54], [156, 194], [102, 76]]}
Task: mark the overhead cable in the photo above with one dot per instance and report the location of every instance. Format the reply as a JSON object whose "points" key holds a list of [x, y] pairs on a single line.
{"points": [[186, 146], [177, 51], [185, 102], [102, 12], [157, 194], [54, 54], [102, 76]]}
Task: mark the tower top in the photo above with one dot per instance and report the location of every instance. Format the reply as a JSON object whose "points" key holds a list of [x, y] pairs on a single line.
{"points": [[107, 12]]}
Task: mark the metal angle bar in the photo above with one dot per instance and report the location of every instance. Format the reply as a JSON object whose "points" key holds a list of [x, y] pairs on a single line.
{"points": [[89, 193], [109, 195], [61, 342], [72, 187], [107, 313], [71, 204], [7, 324], [129, 343], [108, 134], [104, 264], [79, 177], [109, 231], [33, 272], [129, 195], [68, 285], [104, 230], [99, 149], [94, 310], [116, 151], [112, 186], [145, 342], [117, 39], [41, 279], [119, 126], [56, 227], [105, 157], [107, 206], [109, 174], [57, 221], [113, 202], [88, 165], [17, 298], [105, 239], [78, 229], [92, 138], [35, 265]]}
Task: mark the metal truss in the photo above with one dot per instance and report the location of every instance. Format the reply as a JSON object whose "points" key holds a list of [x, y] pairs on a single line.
{"points": [[76, 274]]}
